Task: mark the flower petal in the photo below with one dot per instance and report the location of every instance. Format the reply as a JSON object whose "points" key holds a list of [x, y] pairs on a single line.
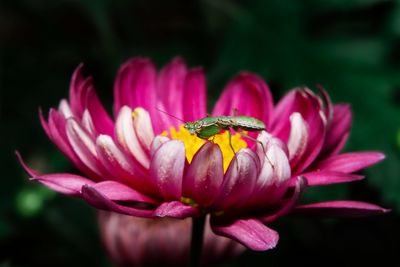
{"points": [[135, 85], [143, 128], [341, 208], [127, 137], [175, 209], [298, 138], [77, 90], [338, 130], [84, 147], [249, 95], [204, 175], [101, 119], [65, 183], [100, 201], [350, 162], [122, 167], [170, 88], [323, 177], [239, 180], [120, 192], [310, 107], [194, 96], [166, 169], [249, 232], [287, 204]]}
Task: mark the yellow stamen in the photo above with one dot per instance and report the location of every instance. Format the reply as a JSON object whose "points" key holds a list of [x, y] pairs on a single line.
{"points": [[193, 143]]}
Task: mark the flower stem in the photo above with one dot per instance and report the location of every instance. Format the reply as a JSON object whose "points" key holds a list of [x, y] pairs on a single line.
{"points": [[197, 240]]}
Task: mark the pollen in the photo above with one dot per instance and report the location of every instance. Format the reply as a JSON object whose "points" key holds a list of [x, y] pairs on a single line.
{"points": [[193, 143]]}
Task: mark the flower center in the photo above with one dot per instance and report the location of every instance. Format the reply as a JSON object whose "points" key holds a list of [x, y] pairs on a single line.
{"points": [[193, 143]]}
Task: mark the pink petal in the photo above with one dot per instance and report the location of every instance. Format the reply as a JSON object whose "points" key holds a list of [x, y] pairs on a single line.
{"points": [[239, 181], [309, 106], [327, 103], [143, 128], [204, 175], [120, 192], [350, 162], [323, 177], [166, 169], [249, 95], [175, 209], [342, 208], [249, 232], [298, 138], [157, 142], [127, 137], [100, 201], [77, 89], [338, 130], [122, 167], [171, 82], [135, 85], [56, 128], [64, 183], [84, 147], [64, 109], [101, 120], [288, 204], [280, 125], [194, 95], [275, 168]]}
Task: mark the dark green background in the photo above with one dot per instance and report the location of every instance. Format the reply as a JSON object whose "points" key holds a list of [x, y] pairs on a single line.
{"points": [[351, 47]]}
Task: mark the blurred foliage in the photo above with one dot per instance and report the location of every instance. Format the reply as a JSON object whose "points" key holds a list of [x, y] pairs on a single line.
{"points": [[350, 47]]}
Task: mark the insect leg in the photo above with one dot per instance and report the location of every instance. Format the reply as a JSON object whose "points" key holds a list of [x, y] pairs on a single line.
{"points": [[258, 142], [233, 150]]}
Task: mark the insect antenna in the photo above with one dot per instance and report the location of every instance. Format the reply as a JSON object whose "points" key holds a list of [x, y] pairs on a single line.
{"points": [[179, 119]]}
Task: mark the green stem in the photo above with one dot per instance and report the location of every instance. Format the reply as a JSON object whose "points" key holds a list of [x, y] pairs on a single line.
{"points": [[197, 240]]}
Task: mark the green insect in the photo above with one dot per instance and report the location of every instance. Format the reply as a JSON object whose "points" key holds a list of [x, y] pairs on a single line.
{"points": [[210, 126]]}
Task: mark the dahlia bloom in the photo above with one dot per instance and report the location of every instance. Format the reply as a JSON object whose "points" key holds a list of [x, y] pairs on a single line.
{"points": [[134, 241], [144, 163]]}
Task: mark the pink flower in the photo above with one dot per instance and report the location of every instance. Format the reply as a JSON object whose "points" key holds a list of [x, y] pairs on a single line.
{"points": [[144, 163], [133, 241]]}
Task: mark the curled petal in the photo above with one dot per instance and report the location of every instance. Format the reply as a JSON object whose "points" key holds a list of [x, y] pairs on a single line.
{"points": [[239, 180], [84, 147], [309, 106], [340, 208], [122, 167], [350, 162], [166, 169], [77, 90], [175, 209], [204, 175], [100, 201], [64, 109], [323, 177], [249, 232], [194, 95], [298, 138], [87, 123], [276, 168], [288, 204], [143, 128], [157, 142], [249, 95], [338, 131], [127, 136]]}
